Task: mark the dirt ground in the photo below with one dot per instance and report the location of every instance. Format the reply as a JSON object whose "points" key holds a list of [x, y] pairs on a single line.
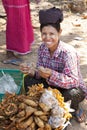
{"points": [[74, 32]]}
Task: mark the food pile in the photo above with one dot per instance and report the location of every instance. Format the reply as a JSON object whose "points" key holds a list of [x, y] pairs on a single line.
{"points": [[40, 109]]}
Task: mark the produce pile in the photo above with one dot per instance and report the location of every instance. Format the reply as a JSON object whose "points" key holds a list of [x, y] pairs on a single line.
{"points": [[40, 109]]}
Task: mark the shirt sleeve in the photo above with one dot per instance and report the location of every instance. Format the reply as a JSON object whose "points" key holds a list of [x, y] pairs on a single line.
{"points": [[69, 77]]}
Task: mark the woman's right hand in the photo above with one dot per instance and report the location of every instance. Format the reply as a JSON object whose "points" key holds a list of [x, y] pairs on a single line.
{"points": [[24, 68]]}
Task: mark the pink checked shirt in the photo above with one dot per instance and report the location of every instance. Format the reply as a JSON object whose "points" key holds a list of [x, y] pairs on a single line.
{"points": [[64, 64]]}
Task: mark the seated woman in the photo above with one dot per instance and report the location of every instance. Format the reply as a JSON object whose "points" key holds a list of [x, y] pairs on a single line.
{"points": [[58, 62]]}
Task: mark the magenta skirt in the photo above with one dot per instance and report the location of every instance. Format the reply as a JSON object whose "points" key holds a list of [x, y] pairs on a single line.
{"points": [[19, 31]]}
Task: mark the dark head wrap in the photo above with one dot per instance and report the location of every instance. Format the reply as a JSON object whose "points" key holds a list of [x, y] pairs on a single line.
{"points": [[52, 15]]}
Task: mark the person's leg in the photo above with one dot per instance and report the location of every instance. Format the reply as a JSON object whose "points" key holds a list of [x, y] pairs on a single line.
{"points": [[76, 95], [11, 55], [11, 58]]}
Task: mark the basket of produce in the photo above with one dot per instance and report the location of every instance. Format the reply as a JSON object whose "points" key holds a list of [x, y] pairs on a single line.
{"points": [[10, 81], [41, 109]]}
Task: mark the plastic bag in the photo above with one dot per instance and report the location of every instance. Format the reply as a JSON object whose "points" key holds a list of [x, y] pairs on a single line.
{"points": [[57, 111], [7, 84], [48, 99], [56, 118], [56, 122]]}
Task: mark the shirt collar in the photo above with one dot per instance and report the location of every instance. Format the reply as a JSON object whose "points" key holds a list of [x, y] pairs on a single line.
{"points": [[57, 52]]}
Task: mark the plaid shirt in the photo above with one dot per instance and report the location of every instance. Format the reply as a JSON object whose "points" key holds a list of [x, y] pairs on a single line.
{"points": [[64, 64]]}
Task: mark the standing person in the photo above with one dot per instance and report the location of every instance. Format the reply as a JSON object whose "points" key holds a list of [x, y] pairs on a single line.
{"points": [[19, 31], [58, 63]]}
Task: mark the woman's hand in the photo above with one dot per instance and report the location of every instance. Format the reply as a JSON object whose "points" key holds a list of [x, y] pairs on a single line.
{"points": [[44, 72], [24, 68], [27, 69]]}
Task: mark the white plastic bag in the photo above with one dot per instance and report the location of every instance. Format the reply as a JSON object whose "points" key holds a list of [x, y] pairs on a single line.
{"points": [[56, 121], [7, 84], [48, 99]]}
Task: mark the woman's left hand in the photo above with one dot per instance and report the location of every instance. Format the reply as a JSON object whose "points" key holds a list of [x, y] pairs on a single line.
{"points": [[44, 72]]}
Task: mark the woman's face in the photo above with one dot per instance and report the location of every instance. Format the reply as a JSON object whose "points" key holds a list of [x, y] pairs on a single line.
{"points": [[50, 36]]}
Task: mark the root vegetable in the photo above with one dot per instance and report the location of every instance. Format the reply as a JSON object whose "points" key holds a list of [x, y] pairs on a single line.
{"points": [[2, 118], [44, 118], [33, 126], [40, 129], [29, 110], [26, 123], [44, 107], [22, 106], [39, 113], [20, 119], [48, 127], [59, 128], [30, 102], [39, 122], [9, 127], [11, 109], [21, 114]]}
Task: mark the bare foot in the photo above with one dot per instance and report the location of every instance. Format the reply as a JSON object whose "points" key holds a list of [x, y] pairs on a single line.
{"points": [[10, 55], [80, 115]]}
